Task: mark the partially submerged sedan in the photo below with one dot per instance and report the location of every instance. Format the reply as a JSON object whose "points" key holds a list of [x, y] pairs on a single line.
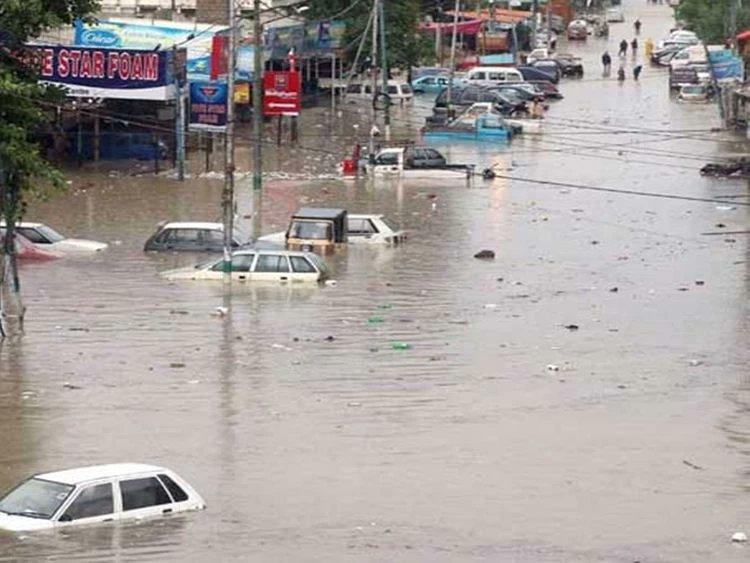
{"points": [[193, 236], [372, 229], [49, 239], [26, 250], [258, 265], [100, 493]]}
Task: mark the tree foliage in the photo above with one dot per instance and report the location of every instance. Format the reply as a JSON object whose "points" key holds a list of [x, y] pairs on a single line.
{"points": [[23, 171], [710, 19], [406, 47]]}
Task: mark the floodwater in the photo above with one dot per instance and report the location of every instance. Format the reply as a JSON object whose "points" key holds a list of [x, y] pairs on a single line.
{"points": [[466, 446]]}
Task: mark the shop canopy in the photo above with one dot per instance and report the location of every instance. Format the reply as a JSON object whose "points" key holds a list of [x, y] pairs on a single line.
{"points": [[467, 27], [501, 16]]}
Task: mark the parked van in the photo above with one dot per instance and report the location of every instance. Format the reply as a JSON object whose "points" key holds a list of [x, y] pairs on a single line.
{"points": [[398, 91], [679, 37], [492, 75], [695, 54]]}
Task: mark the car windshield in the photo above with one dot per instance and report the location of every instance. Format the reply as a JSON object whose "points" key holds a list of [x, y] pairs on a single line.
{"points": [[51, 234], [387, 158], [387, 224], [319, 263], [310, 230], [206, 264], [35, 498], [512, 97]]}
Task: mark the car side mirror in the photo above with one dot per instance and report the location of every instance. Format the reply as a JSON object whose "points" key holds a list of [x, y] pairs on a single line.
{"points": [[66, 518]]}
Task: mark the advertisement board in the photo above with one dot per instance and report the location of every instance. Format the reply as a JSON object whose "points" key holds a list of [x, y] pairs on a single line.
{"points": [[311, 38], [196, 38], [208, 105], [241, 93], [129, 74], [726, 65], [281, 93]]}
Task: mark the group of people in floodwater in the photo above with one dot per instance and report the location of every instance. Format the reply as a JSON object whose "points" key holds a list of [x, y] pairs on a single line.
{"points": [[623, 52]]}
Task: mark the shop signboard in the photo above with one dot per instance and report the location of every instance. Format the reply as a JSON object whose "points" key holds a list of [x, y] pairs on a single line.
{"points": [[282, 93], [208, 105], [129, 74], [196, 38], [319, 38]]}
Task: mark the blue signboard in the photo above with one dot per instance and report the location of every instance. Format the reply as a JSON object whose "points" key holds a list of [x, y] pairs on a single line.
{"points": [[726, 65], [108, 73], [195, 38], [208, 105]]}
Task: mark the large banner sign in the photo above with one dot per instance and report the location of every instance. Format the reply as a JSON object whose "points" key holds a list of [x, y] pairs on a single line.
{"points": [[124, 34], [208, 105], [108, 73], [319, 38], [281, 93], [198, 39]]}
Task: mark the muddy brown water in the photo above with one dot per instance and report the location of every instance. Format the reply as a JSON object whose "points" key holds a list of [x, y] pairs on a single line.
{"points": [[466, 446]]}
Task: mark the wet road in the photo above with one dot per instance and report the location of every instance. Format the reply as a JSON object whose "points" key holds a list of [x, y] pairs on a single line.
{"points": [[465, 447]]}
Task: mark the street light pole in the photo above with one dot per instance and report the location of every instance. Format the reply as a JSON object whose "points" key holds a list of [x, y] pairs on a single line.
{"points": [[452, 69], [384, 70], [374, 72], [227, 196], [257, 97]]}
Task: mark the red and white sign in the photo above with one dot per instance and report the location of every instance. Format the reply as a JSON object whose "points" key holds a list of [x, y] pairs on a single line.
{"points": [[282, 92]]}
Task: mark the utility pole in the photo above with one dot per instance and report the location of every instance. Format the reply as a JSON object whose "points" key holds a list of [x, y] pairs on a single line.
{"points": [[717, 90], [374, 71], [452, 70], [534, 24], [384, 70], [438, 43], [333, 88], [179, 118], [227, 196], [257, 97], [479, 45], [350, 75]]}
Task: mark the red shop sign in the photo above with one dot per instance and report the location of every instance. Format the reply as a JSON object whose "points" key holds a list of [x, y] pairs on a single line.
{"points": [[281, 92]]}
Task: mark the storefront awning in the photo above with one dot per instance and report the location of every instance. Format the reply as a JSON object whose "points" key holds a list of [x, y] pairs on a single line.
{"points": [[467, 27]]}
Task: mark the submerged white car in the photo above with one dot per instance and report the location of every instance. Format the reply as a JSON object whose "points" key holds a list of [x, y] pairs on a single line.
{"points": [[100, 493], [258, 265], [694, 93], [49, 239], [614, 15], [372, 228]]}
